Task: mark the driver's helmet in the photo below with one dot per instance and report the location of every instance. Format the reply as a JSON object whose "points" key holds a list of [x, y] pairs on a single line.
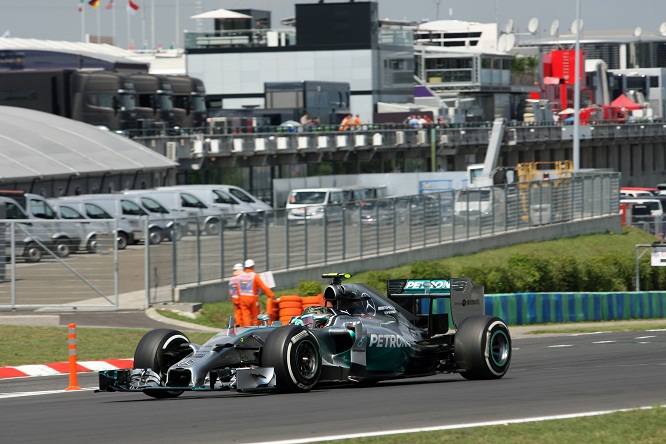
{"points": [[316, 316]]}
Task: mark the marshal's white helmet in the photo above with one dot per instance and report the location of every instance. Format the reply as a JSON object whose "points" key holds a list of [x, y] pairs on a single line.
{"points": [[249, 263], [238, 266]]}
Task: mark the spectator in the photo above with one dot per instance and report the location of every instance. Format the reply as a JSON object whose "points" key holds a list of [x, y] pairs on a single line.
{"points": [[357, 122], [234, 293], [346, 123], [249, 285], [305, 119], [414, 122]]}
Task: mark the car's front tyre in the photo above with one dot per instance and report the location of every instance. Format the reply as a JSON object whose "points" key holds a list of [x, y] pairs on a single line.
{"points": [[158, 350], [294, 353]]}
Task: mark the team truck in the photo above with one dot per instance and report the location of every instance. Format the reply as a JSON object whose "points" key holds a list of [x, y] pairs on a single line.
{"points": [[189, 101], [154, 101], [98, 97]]}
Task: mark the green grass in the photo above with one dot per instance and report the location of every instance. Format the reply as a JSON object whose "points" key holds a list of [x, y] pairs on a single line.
{"points": [[39, 345], [645, 426]]}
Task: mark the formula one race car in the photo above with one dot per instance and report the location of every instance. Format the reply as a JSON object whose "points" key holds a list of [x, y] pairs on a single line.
{"points": [[422, 327]]}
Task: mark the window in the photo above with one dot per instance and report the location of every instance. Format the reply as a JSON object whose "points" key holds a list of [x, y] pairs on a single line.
{"points": [[223, 198]]}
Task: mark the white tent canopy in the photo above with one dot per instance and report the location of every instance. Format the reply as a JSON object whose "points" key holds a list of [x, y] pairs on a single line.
{"points": [[221, 14]]}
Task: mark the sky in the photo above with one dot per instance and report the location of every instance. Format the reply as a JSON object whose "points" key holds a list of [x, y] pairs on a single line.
{"points": [[164, 21]]}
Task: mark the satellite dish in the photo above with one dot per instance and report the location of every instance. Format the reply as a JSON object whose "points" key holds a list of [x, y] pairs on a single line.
{"points": [[662, 28], [510, 42], [502, 43], [638, 31], [554, 28], [576, 26], [533, 25], [509, 26]]}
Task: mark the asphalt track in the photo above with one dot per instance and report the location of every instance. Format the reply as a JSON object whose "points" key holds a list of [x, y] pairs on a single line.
{"points": [[549, 375]]}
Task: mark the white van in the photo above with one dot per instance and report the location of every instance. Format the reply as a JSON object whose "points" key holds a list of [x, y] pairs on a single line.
{"points": [[315, 205], [64, 237], [656, 209], [91, 220], [236, 203], [122, 208], [479, 204], [186, 205]]}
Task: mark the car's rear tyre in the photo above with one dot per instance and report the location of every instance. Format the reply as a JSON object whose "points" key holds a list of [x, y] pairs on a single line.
{"points": [[91, 245], [294, 353], [158, 350], [483, 347], [32, 252]]}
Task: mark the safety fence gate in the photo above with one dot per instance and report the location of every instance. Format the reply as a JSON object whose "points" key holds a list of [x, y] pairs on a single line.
{"points": [[58, 264]]}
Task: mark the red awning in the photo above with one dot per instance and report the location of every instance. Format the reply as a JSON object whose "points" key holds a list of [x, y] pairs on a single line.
{"points": [[625, 102]]}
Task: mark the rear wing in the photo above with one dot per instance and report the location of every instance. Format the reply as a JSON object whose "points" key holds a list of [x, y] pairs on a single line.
{"points": [[434, 300]]}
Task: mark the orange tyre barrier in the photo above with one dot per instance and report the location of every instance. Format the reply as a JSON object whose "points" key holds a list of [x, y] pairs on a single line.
{"points": [[290, 298], [290, 304], [290, 312]]}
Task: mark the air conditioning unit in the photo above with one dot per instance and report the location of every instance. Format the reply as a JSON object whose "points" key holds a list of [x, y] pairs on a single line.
{"points": [[172, 150], [443, 139], [377, 139], [214, 146], [421, 138], [238, 145], [399, 137], [197, 148]]}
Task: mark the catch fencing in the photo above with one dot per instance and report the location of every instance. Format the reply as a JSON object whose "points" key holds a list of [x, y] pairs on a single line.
{"points": [[277, 241], [94, 273]]}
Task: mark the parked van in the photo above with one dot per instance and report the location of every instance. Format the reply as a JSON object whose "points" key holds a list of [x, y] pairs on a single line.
{"points": [[654, 204], [186, 205], [64, 237], [121, 207], [315, 205], [90, 227], [643, 192], [176, 225], [72, 205], [29, 241], [479, 204], [236, 203]]}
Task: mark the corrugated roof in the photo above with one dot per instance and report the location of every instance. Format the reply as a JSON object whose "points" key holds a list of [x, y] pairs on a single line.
{"points": [[37, 144], [100, 51]]}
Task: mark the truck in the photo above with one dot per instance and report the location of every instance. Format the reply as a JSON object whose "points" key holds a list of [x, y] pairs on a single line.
{"points": [[98, 97], [154, 101], [189, 101]]}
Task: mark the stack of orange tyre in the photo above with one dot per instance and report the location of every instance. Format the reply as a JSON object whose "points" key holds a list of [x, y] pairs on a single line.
{"points": [[290, 306], [313, 300]]}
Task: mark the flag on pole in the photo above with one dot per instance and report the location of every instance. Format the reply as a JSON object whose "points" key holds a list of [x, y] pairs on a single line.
{"points": [[109, 5], [132, 5], [80, 5], [94, 3]]}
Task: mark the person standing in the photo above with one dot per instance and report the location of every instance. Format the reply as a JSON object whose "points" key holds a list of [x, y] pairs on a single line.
{"points": [[249, 285], [234, 292]]}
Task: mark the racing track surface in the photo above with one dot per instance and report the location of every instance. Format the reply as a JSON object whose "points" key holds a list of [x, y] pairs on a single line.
{"points": [[550, 375]]}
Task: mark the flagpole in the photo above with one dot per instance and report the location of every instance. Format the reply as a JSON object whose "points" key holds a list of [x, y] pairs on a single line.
{"points": [[82, 11], [177, 23], [113, 21], [99, 24], [152, 21], [129, 41], [144, 42]]}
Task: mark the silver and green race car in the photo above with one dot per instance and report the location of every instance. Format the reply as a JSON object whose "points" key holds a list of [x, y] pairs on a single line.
{"points": [[421, 327]]}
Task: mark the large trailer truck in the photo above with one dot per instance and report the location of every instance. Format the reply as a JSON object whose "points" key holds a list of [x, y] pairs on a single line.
{"points": [[154, 101], [189, 101], [98, 97]]}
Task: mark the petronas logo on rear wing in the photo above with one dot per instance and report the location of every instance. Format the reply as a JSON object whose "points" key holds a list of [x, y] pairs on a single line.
{"points": [[420, 286]]}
